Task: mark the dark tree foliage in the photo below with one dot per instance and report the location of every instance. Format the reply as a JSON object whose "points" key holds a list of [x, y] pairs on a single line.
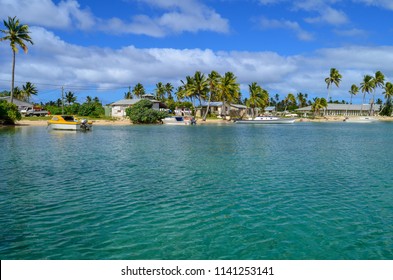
{"points": [[143, 113], [9, 113]]}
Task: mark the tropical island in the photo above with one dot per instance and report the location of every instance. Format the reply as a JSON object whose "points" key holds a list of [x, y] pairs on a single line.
{"points": [[198, 93]]}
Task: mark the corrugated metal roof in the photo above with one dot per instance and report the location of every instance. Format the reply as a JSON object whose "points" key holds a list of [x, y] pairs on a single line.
{"points": [[128, 102], [17, 102], [344, 107]]}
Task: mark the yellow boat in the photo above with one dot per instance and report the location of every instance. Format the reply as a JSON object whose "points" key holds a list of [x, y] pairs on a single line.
{"points": [[65, 122]]}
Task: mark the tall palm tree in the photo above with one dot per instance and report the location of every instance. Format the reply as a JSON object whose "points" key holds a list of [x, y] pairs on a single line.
{"points": [[128, 94], [388, 92], [367, 86], [302, 99], [228, 90], [96, 100], [213, 81], [138, 90], [199, 87], [319, 103], [290, 99], [70, 97], [169, 90], [353, 91], [180, 93], [88, 99], [160, 91], [259, 98], [334, 78], [28, 90], [379, 81], [18, 35]]}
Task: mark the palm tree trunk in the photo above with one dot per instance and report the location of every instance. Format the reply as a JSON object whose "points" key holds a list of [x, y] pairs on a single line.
{"points": [[13, 77], [208, 107]]}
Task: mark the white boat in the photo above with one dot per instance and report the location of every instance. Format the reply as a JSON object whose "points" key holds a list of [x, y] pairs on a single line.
{"points": [[266, 120], [64, 122], [178, 120], [360, 120]]}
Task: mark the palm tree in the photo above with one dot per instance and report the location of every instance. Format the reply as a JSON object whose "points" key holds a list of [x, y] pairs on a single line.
{"points": [[379, 81], [88, 99], [96, 100], [70, 97], [353, 91], [169, 90], [387, 109], [138, 90], [28, 90], [160, 91], [367, 86], [228, 90], [290, 99], [334, 78], [213, 81], [18, 35], [199, 87], [259, 98], [128, 94], [180, 93], [318, 104], [302, 98]]}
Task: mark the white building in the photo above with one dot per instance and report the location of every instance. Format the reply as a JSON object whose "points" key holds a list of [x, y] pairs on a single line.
{"points": [[119, 107]]}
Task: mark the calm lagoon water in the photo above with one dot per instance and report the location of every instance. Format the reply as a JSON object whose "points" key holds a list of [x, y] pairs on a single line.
{"points": [[302, 191]]}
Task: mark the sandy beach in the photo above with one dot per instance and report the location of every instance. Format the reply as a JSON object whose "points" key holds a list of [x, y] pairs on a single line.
{"points": [[199, 121]]}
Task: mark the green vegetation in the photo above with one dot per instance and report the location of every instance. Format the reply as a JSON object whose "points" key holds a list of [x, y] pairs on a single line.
{"points": [[143, 113], [8, 113]]}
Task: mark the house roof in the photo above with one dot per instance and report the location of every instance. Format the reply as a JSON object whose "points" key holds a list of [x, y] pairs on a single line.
{"points": [[344, 107], [17, 102], [270, 108], [128, 102]]}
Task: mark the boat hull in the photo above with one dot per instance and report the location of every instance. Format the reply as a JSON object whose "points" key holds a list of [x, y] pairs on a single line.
{"points": [[360, 120], [58, 126], [176, 121]]}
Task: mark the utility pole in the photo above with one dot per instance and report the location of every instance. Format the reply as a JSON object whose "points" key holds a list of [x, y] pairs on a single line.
{"points": [[62, 100]]}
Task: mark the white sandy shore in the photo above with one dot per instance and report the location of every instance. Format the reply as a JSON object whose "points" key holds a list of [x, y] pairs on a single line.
{"points": [[209, 121]]}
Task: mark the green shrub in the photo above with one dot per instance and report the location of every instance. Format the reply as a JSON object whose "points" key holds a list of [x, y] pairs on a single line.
{"points": [[91, 109], [142, 113], [9, 113]]}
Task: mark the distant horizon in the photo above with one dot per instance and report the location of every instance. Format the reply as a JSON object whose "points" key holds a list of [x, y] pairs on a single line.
{"points": [[102, 48]]}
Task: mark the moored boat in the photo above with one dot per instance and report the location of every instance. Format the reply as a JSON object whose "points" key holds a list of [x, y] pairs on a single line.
{"points": [[267, 120], [178, 120], [65, 122], [360, 120]]}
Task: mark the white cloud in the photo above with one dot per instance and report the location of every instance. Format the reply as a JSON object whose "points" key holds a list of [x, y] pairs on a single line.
{"points": [[386, 4], [53, 61], [66, 14], [176, 17], [286, 24]]}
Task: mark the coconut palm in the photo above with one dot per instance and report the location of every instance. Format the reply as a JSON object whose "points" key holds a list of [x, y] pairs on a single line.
{"points": [[128, 94], [199, 88], [318, 104], [379, 81], [228, 90], [367, 86], [353, 91], [70, 98], [388, 92], [160, 91], [28, 90], [334, 78], [18, 35], [290, 99], [138, 90], [259, 98], [88, 99], [169, 90], [213, 81], [180, 93]]}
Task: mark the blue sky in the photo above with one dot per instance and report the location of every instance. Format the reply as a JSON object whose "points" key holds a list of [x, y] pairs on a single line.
{"points": [[100, 48]]}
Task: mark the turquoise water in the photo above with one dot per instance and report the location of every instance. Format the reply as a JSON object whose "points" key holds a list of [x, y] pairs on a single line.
{"points": [[302, 191]]}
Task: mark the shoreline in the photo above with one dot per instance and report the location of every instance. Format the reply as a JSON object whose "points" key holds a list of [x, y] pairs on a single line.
{"points": [[200, 122]]}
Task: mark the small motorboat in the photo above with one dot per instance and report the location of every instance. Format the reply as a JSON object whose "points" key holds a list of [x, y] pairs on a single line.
{"points": [[266, 120], [179, 120], [360, 120], [64, 122]]}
